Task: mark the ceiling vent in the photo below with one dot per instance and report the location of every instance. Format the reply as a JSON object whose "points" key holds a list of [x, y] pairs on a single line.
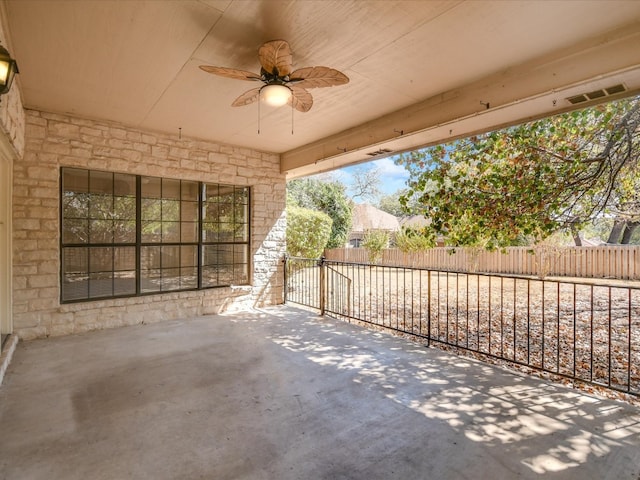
{"points": [[382, 151], [585, 97]]}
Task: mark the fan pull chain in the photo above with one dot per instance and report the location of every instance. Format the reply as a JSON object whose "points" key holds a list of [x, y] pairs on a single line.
{"points": [[291, 118], [259, 114]]}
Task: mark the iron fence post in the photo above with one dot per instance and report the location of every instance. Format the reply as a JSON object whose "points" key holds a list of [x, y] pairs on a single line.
{"points": [[323, 287], [591, 346], [428, 308], [286, 280]]}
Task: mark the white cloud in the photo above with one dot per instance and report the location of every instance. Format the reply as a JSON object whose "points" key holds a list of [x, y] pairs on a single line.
{"points": [[392, 177], [388, 168]]}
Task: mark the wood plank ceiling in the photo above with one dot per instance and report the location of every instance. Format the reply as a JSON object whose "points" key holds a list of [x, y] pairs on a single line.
{"points": [[420, 71]]}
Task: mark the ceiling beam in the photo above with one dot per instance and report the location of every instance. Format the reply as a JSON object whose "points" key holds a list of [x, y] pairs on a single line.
{"points": [[534, 89]]}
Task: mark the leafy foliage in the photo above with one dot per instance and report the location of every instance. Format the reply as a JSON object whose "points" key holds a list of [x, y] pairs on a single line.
{"points": [[392, 204], [414, 240], [328, 197], [374, 242], [105, 216], [625, 205], [308, 232], [526, 182]]}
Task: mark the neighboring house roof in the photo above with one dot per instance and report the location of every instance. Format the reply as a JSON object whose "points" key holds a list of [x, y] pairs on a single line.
{"points": [[367, 217]]}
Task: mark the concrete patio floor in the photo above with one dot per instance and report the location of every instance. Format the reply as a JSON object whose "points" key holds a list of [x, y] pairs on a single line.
{"points": [[283, 394]]}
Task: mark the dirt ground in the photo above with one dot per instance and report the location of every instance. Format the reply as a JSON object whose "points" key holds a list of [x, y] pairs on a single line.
{"points": [[583, 329]]}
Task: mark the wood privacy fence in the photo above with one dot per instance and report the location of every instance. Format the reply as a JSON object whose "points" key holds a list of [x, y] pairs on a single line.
{"points": [[614, 262]]}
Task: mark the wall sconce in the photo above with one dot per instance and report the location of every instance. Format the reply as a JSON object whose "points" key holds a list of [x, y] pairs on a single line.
{"points": [[8, 69]]}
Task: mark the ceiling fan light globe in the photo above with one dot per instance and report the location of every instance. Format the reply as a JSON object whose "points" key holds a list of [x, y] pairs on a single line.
{"points": [[276, 95]]}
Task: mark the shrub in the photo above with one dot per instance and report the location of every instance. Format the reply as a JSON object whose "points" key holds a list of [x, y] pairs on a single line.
{"points": [[410, 240], [308, 232], [374, 242], [327, 197]]}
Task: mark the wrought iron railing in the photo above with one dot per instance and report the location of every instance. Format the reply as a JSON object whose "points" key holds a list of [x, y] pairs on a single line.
{"points": [[587, 331], [302, 282]]}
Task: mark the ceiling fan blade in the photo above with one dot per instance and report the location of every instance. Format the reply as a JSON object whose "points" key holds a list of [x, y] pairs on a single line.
{"points": [[247, 97], [276, 55], [317, 77], [231, 73], [301, 99]]}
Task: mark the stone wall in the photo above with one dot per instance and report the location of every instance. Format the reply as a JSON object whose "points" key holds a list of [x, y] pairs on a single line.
{"points": [[12, 116], [53, 141]]}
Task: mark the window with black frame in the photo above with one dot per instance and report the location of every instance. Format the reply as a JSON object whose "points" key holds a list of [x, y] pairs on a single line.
{"points": [[98, 234], [169, 235], [225, 235], [126, 235]]}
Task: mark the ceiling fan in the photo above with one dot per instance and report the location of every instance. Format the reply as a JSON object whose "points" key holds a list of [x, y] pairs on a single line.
{"points": [[281, 84]]}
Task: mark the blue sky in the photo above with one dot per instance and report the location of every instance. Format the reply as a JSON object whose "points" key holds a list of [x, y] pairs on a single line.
{"points": [[392, 177]]}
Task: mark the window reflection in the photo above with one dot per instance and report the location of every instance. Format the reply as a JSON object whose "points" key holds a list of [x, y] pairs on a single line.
{"points": [[126, 235]]}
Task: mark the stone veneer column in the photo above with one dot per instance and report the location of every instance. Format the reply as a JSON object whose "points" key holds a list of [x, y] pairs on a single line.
{"points": [[12, 126], [53, 141]]}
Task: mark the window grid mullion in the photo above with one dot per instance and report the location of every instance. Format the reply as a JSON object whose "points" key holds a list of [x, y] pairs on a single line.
{"points": [[138, 233], [101, 205]]}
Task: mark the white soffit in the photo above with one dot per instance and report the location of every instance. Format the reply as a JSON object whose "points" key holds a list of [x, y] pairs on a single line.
{"points": [[421, 68]]}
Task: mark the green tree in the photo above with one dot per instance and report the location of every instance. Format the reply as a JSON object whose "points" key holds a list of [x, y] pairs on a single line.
{"points": [[328, 197], [414, 240], [391, 204], [302, 221], [374, 242], [529, 181]]}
